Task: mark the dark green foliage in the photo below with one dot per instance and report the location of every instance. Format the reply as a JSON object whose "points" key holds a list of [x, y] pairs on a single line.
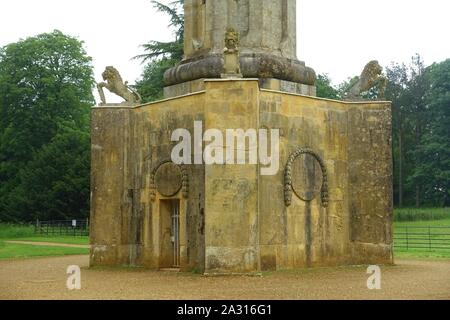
{"points": [[324, 87], [55, 184], [46, 86], [151, 85], [420, 101], [432, 154]]}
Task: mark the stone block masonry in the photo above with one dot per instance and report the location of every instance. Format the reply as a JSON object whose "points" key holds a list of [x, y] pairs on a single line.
{"points": [[335, 208]]}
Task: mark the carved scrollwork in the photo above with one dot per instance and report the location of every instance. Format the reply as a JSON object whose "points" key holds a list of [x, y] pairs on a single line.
{"points": [[288, 189], [170, 188]]}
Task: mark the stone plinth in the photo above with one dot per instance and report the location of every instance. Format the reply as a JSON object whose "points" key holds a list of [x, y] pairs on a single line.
{"points": [[329, 204], [268, 83]]}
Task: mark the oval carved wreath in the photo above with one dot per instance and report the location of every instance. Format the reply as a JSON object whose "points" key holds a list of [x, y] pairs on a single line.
{"points": [[184, 179], [288, 190]]}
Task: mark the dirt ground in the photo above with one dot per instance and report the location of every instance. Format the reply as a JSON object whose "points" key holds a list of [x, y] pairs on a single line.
{"points": [[46, 279]]}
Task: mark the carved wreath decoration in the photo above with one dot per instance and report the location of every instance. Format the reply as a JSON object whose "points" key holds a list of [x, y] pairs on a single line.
{"points": [[184, 180], [288, 190]]}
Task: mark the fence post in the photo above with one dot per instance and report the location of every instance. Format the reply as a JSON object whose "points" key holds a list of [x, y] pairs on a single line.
{"points": [[429, 237], [407, 240]]}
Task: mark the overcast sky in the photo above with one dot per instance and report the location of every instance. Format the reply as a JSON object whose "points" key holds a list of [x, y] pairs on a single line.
{"points": [[337, 37]]}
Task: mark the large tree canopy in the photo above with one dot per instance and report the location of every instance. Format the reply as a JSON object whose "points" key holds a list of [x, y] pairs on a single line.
{"points": [[46, 81], [432, 154], [420, 98]]}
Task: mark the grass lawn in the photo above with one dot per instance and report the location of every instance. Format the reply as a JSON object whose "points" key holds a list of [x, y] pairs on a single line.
{"points": [[423, 253], [55, 239], [13, 231], [421, 214], [20, 251], [26, 233], [432, 223]]}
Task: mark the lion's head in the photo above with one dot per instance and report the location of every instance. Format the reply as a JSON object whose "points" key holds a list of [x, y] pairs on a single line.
{"points": [[371, 77], [372, 70], [111, 74], [371, 74]]}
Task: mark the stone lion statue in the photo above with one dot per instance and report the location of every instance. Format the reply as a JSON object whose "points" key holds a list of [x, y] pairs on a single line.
{"points": [[115, 84], [371, 77]]}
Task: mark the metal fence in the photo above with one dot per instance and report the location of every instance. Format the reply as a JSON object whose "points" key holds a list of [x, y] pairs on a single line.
{"points": [[426, 238], [62, 227]]}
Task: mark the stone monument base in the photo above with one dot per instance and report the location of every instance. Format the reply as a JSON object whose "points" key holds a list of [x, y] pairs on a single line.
{"points": [[329, 204], [265, 83]]}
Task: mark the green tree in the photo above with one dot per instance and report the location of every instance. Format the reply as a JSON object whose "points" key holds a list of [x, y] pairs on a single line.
{"points": [[161, 56], [418, 115], [45, 80], [397, 75], [55, 184], [432, 154], [324, 87], [151, 84], [407, 87]]}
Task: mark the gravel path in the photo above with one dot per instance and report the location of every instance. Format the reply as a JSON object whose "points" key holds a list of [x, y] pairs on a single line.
{"points": [[45, 278], [50, 244]]}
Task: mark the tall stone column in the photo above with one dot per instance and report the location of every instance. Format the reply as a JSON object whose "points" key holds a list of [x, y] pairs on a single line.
{"points": [[267, 30]]}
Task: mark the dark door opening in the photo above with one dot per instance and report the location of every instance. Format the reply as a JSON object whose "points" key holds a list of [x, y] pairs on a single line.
{"points": [[170, 234]]}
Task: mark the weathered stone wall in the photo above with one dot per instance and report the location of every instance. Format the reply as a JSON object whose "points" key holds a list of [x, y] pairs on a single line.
{"points": [[232, 218], [110, 182], [153, 127], [354, 141], [370, 183], [231, 190], [128, 144]]}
